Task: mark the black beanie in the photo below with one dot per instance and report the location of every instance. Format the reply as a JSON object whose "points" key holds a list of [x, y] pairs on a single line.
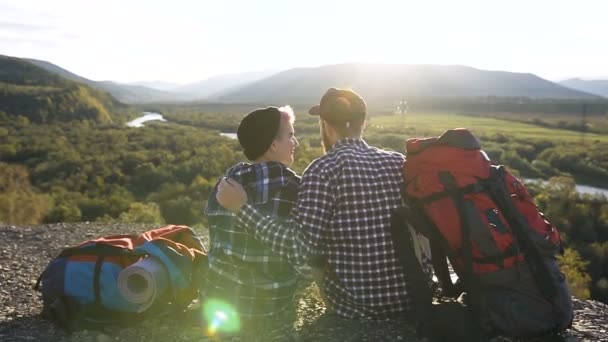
{"points": [[258, 130]]}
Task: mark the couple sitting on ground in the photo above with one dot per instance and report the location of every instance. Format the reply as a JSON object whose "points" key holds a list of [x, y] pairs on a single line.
{"points": [[267, 224]]}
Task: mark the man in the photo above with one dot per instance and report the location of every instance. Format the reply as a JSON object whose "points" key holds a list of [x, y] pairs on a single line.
{"points": [[257, 282], [342, 215]]}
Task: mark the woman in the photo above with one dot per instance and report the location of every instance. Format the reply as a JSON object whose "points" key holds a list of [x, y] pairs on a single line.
{"points": [[256, 282]]}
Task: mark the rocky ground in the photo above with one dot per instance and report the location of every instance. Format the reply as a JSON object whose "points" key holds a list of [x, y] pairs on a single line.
{"points": [[25, 251]]}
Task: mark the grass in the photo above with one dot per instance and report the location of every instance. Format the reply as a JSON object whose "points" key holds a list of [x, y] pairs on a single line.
{"points": [[427, 123], [435, 123]]}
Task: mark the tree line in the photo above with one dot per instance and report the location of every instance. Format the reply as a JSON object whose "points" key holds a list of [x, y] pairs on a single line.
{"points": [[84, 170]]}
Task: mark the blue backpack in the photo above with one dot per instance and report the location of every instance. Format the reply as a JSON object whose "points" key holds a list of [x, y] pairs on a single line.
{"points": [[80, 287]]}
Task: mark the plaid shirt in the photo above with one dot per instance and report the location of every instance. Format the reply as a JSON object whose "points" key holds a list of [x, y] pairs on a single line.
{"points": [[242, 270], [343, 215]]}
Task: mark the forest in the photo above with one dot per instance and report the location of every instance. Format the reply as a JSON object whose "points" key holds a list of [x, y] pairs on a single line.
{"points": [[92, 169]]}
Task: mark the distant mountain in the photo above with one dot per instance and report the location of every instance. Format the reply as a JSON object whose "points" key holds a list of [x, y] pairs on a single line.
{"points": [[390, 82], [158, 85], [218, 85], [50, 67], [138, 94], [123, 92], [43, 96], [380, 83], [158, 91], [597, 87]]}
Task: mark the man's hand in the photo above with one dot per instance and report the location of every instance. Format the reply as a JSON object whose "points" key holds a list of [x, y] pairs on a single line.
{"points": [[231, 195]]}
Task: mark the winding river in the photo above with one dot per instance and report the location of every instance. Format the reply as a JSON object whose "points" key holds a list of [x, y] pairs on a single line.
{"points": [[148, 116]]}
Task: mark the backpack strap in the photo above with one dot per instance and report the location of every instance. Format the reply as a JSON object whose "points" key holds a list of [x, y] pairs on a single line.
{"points": [[404, 248], [37, 285], [470, 283], [499, 259], [534, 258], [96, 285], [475, 187], [440, 249], [101, 251]]}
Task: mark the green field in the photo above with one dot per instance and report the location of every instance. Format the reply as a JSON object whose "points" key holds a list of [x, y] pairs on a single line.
{"points": [[428, 124]]}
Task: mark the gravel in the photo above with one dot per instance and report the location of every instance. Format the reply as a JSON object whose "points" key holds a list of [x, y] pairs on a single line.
{"points": [[26, 250]]}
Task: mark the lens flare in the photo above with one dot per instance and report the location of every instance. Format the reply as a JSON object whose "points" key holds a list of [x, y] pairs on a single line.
{"points": [[220, 317]]}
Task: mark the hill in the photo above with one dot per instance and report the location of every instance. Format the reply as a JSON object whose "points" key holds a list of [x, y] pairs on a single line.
{"points": [[125, 93], [214, 87], [159, 85], [597, 87], [392, 82], [42, 96], [157, 91]]}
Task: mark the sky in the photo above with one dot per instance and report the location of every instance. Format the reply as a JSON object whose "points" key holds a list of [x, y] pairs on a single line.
{"points": [[186, 41]]}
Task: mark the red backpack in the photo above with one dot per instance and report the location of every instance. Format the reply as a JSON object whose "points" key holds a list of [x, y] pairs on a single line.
{"points": [[484, 220], [452, 181]]}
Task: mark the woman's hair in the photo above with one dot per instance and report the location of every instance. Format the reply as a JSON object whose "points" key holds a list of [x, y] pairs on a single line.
{"points": [[287, 113]]}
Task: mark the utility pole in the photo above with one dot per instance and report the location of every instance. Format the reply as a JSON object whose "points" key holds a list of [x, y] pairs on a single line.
{"points": [[583, 123], [402, 107], [402, 110]]}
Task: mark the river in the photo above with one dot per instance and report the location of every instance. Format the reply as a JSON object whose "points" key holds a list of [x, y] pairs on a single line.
{"points": [[148, 116], [229, 135], [586, 189], [580, 188]]}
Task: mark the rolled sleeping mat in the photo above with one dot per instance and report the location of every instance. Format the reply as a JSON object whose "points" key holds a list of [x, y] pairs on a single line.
{"points": [[143, 282]]}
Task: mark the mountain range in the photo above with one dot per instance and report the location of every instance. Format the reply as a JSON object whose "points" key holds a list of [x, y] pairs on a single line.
{"points": [[218, 86], [597, 87], [125, 93], [390, 82], [376, 82], [158, 91]]}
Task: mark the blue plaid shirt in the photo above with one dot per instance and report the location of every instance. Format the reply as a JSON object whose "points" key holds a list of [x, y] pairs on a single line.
{"points": [[342, 214], [242, 270]]}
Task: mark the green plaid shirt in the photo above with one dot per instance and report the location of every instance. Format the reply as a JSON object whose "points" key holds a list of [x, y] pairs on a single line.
{"points": [[257, 281]]}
